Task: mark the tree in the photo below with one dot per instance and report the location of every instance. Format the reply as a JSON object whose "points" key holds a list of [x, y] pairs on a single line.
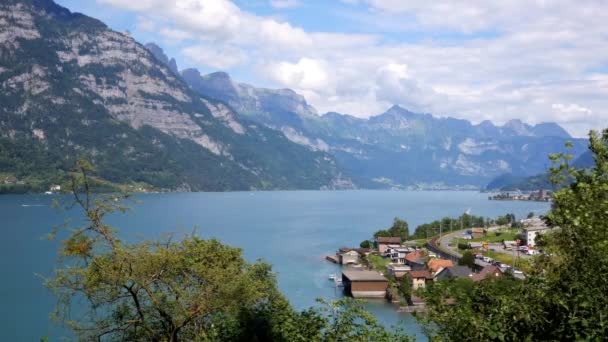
{"points": [[530, 215], [405, 287], [563, 296], [366, 244], [399, 228], [191, 289], [468, 259], [382, 233]]}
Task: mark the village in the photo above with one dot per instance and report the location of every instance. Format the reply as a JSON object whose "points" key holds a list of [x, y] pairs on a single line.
{"points": [[396, 270], [538, 196]]}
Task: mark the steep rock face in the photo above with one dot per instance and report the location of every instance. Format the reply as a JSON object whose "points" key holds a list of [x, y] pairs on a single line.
{"points": [[71, 86]]}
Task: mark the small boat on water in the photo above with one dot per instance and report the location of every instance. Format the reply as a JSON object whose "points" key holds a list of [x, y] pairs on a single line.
{"points": [[332, 277]]}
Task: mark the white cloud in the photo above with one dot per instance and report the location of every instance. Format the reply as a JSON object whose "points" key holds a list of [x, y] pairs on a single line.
{"points": [[220, 58], [174, 34], [284, 3], [306, 74], [527, 59]]}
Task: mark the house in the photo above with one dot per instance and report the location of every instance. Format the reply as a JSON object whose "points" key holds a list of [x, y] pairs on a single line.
{"points": [[416, 260], [487, 272], [398, 270], [385, 241], [420, 278], [532, 228], [436, 264], [350, 257], [397, 254], [364, 284], [477, 233], [453, 272]]}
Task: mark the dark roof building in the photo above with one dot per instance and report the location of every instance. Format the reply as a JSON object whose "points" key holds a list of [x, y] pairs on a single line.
{"points": [[487, 272], [454, 272]]}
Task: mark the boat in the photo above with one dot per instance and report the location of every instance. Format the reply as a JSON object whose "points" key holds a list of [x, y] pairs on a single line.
{"points": [[332, 277]]}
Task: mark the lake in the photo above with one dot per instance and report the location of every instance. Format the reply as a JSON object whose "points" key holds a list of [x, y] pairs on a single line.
{"points": [[292, 230]]}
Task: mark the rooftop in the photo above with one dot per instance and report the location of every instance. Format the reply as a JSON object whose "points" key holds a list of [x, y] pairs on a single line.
{"points": [[362, 275], [488, 271], [435, 264], [397, 267], [459, 271], [389, 240], [414, 256], [421, 274]]}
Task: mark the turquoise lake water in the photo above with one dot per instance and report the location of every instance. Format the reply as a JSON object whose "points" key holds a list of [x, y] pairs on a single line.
{"points": [[292, 230]]}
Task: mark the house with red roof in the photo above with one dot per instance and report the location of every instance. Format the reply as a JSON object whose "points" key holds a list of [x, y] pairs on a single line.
{"points": [[420, 278]]}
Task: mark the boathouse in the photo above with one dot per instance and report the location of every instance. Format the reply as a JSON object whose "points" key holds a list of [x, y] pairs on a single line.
{"points": [[364, 284]]}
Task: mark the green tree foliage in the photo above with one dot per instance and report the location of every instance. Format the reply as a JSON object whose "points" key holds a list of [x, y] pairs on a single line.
{"points": [[446, 224], [468, 259], [399, 228], [530, 215], [189, 290], [382, 233], [366, 244], [405, 287], [563, 298]]}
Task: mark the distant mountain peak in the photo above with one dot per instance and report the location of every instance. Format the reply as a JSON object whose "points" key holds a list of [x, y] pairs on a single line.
{"points": [[397, 109], [160, 55], [550, 129]]}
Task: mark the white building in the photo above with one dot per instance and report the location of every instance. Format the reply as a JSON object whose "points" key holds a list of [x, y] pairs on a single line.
{"points": [[532, 228], [397, 254], [350, 257]]}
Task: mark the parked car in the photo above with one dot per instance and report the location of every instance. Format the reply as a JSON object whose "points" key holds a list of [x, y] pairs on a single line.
{"points": [[532, 252], [478, 256]]}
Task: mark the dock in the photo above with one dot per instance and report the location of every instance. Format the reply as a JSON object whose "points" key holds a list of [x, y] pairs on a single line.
{"points": [[332, 258]]}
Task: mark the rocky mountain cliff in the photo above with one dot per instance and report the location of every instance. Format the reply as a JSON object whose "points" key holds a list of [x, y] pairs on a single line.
{"points": [[70, 86], [398, 148]]}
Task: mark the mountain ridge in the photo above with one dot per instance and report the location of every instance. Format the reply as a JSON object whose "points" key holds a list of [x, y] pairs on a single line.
{"points": [[429, 151], [71, 87]]}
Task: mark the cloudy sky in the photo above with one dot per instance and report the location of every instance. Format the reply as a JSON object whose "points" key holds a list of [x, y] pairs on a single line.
{"points": [[535, 60]]}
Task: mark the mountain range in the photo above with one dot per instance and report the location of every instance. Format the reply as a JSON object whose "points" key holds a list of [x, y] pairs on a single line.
{"points": [[398, 148], [73, 87]]}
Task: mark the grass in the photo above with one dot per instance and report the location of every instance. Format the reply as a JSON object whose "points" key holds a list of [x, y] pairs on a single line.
{"points": [[377, 262], [492, 237], [520, 263], [418, 242]]}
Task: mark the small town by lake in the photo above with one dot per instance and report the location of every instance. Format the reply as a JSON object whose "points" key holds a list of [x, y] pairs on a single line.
{"points": [[292, 230]]}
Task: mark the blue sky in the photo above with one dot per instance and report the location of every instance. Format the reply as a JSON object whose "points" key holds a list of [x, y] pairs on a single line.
{"points": [[532, 60]]}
